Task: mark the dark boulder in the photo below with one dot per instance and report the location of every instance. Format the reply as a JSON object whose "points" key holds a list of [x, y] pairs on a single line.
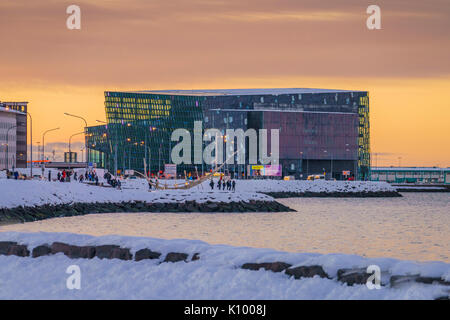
{"points": [[112, 252], [146, 254], [58, 247], [87, 252], [397, 281], [5, 246], [105, 251], [306, 272], [196, 256], [40, 251], [270, 266], [353, 276], [18, 250], [73, 252], [175, 257]]}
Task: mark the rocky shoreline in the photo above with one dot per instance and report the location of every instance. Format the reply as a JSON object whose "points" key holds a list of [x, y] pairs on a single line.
{"points": [[348, 276], [28, 214], [308, 194]]}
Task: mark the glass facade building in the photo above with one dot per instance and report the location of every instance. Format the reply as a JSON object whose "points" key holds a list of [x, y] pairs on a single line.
{"points": [[320, 130]]}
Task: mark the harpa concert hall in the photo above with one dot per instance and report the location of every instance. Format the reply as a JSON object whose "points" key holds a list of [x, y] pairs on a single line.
{"points": [[320, 130]]}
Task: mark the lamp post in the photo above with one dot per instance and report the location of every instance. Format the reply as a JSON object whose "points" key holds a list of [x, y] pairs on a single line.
{"points": [[70, 142], [85, 138], [43, 141], [82, 153]]}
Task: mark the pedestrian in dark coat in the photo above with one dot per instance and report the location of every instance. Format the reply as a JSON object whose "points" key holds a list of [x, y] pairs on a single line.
{"points": [[211, 184], [233, 185]]}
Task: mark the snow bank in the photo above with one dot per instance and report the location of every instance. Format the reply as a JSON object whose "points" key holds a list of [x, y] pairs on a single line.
{"points": [[302, 186], [216, 275], [34, 193]]}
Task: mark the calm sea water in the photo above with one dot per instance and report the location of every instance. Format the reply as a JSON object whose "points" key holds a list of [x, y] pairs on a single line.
{"points": [[414, 227]]}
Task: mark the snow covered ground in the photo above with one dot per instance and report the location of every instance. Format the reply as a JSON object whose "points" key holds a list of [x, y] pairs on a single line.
{"points": [[32, 193], [313, 186], [216, 275]]}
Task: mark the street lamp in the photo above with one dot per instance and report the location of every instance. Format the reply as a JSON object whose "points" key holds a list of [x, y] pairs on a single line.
{"points": [[70, 141], [85, 138], [43, 141]]}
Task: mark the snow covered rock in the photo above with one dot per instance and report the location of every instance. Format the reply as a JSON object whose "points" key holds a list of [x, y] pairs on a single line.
{"points": [[272, 266]]}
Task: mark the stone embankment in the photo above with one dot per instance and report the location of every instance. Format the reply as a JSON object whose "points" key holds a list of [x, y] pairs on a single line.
{"points": [[28, 214], [349, 276]]}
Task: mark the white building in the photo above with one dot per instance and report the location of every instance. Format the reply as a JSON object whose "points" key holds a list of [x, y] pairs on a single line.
{"points": [[8, 138]]}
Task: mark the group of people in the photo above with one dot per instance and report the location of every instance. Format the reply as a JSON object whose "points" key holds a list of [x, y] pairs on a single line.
{"points": [[221, 184], [12, 175], [113, 182], [63, 176], [89, 175]]}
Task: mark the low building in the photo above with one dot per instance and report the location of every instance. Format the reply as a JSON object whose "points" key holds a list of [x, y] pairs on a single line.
{"points": [[13, 135], [419, 175]]}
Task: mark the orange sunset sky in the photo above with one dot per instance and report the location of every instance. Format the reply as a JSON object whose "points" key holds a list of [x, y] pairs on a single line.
{"points": [[207, 44]]}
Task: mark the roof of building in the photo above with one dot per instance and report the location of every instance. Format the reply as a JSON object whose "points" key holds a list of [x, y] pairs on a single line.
{"points": [[409, 169], [243, 92], [7, 110]]}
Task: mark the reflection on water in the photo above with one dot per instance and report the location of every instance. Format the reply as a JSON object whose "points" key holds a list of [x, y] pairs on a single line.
{"points": [[415, 227]]}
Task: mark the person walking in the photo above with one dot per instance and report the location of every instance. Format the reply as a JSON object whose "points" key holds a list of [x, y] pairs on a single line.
{"points": [[219, 184], [59, 176], [49, 175], [211, 184], [233, 185]]}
